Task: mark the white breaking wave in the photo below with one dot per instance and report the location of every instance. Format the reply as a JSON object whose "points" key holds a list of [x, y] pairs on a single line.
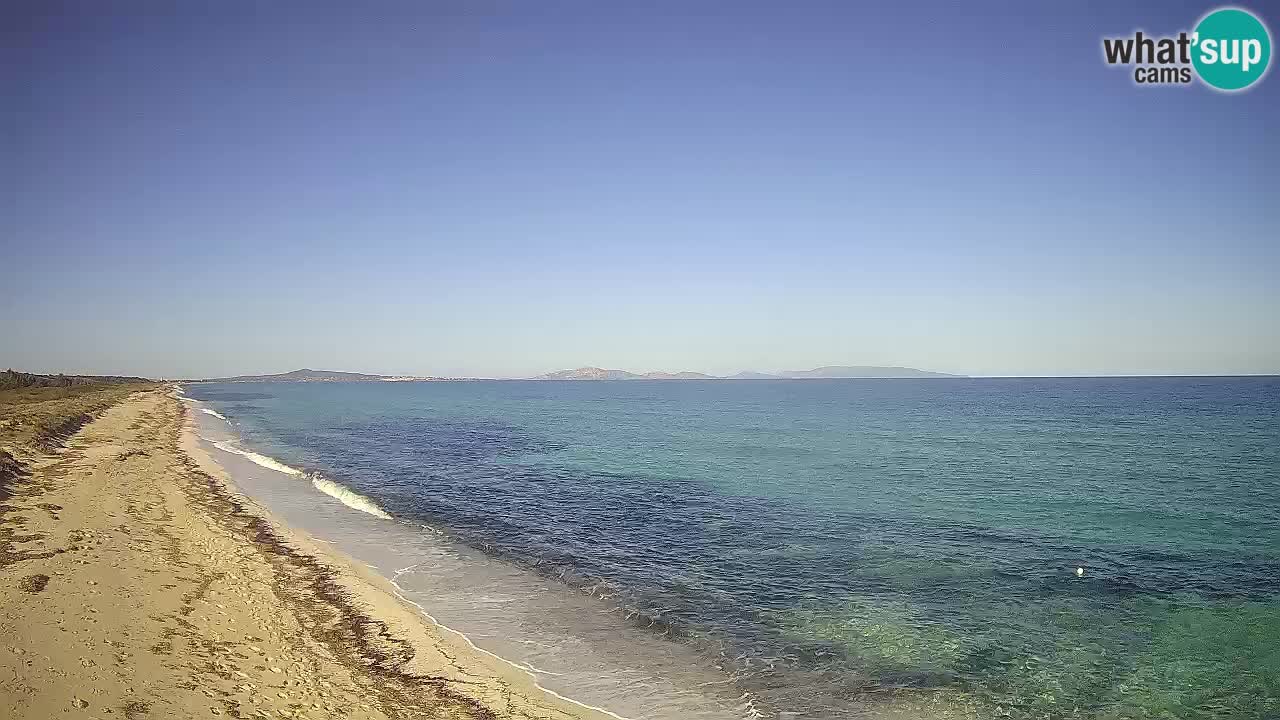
{"points": [[214, 413], [347, 497], [263, 460], [341, 493]]}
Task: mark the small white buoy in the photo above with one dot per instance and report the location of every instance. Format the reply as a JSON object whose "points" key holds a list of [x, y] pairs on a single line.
{"points": [[1079, 572]]}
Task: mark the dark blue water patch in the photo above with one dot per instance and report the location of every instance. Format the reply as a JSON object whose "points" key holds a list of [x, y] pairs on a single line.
{"points": [[600, 527], [731, 554], [202, 392], [833, 540], [239, 409]]}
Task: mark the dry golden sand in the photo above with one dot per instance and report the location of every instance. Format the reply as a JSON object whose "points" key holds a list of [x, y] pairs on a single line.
{"points": [[134, 584]]}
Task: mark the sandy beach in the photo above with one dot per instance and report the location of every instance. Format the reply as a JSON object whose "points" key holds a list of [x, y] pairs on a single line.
{"points": [[135, 583]]}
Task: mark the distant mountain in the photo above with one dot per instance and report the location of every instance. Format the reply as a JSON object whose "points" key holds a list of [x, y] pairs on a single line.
{"points": [[863, 371], [686, 375], [830, 371], [309, 375], [595, 373], [588, 373], [750, 375]]}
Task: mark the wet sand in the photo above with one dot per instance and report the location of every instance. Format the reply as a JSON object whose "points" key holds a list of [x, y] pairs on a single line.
{"points": [[135, 583]]}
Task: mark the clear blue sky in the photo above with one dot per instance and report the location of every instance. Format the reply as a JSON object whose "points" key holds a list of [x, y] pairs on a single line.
{"points": [[500, 189]]}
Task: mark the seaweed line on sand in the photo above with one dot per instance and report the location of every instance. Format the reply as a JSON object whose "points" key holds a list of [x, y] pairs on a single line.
{"points": [[311, 589]]}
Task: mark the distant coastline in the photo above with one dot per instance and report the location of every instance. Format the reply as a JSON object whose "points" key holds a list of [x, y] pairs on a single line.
{"points": [[597, 373], [827, 371], [309, 375], [14, 378]]}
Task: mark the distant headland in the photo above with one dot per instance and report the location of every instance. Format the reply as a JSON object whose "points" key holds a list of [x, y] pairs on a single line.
{"points": [[596, 373], [827, 371], [309, 375]]}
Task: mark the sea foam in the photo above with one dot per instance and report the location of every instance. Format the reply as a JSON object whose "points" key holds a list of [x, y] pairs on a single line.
{"points": [[214, 413], [341, 493], [347, 496], [266, 462]]}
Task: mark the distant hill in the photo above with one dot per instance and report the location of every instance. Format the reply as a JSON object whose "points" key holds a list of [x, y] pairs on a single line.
{"points": [[309, 375], [595, 373], [863, 371], [686, 375], [830, 371], [598, 373], [588, 373], [751, 375]]}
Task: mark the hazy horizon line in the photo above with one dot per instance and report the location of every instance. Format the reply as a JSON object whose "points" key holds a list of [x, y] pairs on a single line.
{"points": [[712, 376]]}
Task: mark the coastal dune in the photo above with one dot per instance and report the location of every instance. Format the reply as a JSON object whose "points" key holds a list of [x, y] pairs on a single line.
{"points": [[135, 583]]}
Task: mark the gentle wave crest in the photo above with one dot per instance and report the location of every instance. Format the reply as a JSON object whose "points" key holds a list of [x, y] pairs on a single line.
{"points": [[347, 496], [259, 459], [214, 413], [337, 491]]}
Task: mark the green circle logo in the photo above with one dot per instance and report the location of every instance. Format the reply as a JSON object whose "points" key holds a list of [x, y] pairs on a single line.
{"points": [[1232, 49]]}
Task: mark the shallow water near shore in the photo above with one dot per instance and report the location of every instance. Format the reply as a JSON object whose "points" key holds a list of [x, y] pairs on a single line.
{"points": [[834, 549], [573, 643]]}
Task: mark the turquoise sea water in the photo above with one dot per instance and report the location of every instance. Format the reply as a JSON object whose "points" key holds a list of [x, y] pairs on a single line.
{"points": [[846, 548]]}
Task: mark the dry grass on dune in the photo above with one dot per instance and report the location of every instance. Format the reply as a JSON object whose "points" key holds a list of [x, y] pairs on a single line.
{"points": [[36, 418]]}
